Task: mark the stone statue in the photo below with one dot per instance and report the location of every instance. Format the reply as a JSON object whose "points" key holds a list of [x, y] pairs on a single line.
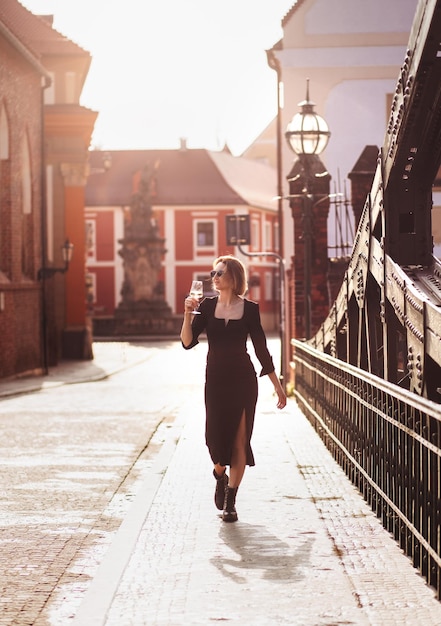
{"points": [[143, 248]]}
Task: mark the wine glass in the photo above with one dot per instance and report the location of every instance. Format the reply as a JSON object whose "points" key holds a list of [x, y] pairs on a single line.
{"points": [[196, 291]]}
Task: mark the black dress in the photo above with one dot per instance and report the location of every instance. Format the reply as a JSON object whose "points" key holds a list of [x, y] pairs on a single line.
{"points": [[230, 384]]}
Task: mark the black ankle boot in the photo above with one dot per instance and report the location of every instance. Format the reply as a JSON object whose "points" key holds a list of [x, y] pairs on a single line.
{"points": [[229, 513], [221, 485]]}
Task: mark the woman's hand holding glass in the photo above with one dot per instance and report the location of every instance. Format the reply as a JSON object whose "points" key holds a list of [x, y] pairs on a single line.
{"points": [[196, 293]]}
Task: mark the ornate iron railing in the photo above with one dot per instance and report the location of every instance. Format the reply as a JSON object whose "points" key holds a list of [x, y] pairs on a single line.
{"points": [[387, 440]]}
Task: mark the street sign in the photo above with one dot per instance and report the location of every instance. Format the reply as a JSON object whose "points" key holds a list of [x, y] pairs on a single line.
{"points": [[238, 230]]}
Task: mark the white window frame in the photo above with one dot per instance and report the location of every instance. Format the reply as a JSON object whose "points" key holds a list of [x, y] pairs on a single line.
{"points": [[90, 236], [206, 282], [49, 92], [208, 249], [276, 231], [268, 289], [70, 87], [255, 234], [268, 235]]}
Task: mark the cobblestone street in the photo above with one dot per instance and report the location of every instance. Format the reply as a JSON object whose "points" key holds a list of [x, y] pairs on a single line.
{"points": [[72, 457]]}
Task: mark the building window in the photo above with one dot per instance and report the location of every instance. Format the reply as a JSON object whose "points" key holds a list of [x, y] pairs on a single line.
{"points": [[26, 183], [276, 237], [204, 237], [206, 282], [4, 135], [49, 92], [269, 286], [255, 235], [254, 286], [50, 212], [26, 200], [205, 234], [70, 79], [91, 239], [268, 236]]}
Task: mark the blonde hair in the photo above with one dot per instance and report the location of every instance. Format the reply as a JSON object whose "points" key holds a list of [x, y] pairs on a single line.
{"points": [[237, 271]]}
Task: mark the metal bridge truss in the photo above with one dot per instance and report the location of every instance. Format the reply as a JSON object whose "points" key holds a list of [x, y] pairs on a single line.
{"points": [[386, 318]]}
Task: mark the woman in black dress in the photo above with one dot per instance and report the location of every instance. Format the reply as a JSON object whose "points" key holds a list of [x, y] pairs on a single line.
{"points": [[231, 384]]}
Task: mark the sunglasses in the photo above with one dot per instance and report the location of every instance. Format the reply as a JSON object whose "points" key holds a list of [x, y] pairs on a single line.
{"points": [[219, 273]]}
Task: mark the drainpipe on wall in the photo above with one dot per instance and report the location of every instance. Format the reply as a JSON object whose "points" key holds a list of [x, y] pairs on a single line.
{"points": [[274, 64]]}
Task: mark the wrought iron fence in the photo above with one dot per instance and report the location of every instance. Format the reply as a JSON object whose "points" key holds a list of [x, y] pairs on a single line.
{"points": [[388, 442]]}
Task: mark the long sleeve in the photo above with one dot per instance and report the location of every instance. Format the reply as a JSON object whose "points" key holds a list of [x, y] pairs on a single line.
{"points": [[258, 338]]}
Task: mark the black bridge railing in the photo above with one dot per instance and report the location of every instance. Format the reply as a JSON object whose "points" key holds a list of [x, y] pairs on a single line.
{"points": [[388, 441]]}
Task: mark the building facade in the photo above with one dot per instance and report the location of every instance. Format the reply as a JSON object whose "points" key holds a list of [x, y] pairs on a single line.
{"points": [[21, 136], [44, 138], [351, 51], [194, 192]]}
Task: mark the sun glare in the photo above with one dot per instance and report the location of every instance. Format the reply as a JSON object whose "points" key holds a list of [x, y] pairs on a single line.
{"points": [[171, 69]]}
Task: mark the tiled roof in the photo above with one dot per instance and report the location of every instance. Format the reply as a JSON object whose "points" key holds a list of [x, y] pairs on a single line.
{"points": [[254, 181], [184, 177], [35, 32], [292, 10]]}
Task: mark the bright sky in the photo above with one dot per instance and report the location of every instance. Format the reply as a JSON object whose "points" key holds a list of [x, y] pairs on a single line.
{"points": [[166, 69]]}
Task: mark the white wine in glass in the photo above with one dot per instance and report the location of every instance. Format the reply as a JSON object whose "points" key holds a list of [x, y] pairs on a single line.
{"points": [[196, 291]]}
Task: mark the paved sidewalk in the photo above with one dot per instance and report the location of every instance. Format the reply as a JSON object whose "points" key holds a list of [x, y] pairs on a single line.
{"points": [[109, 358], [306, 550]]}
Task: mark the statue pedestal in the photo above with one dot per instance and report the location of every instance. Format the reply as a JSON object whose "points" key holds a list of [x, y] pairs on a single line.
{"points": [[146, 318]]}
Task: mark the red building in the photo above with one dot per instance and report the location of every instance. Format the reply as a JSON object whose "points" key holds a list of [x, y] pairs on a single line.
{"points": [[44, 138], [21, 79], [194, 192]]}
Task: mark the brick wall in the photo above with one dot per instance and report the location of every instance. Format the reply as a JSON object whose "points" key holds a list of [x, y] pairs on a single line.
{"points": [[20, 234]]}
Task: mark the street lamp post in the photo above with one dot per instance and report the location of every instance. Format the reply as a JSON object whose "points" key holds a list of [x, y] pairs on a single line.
{"points": [[307, 135]]}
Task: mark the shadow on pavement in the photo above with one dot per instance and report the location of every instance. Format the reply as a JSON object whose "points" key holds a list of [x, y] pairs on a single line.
{"points": [[257, 548]]}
